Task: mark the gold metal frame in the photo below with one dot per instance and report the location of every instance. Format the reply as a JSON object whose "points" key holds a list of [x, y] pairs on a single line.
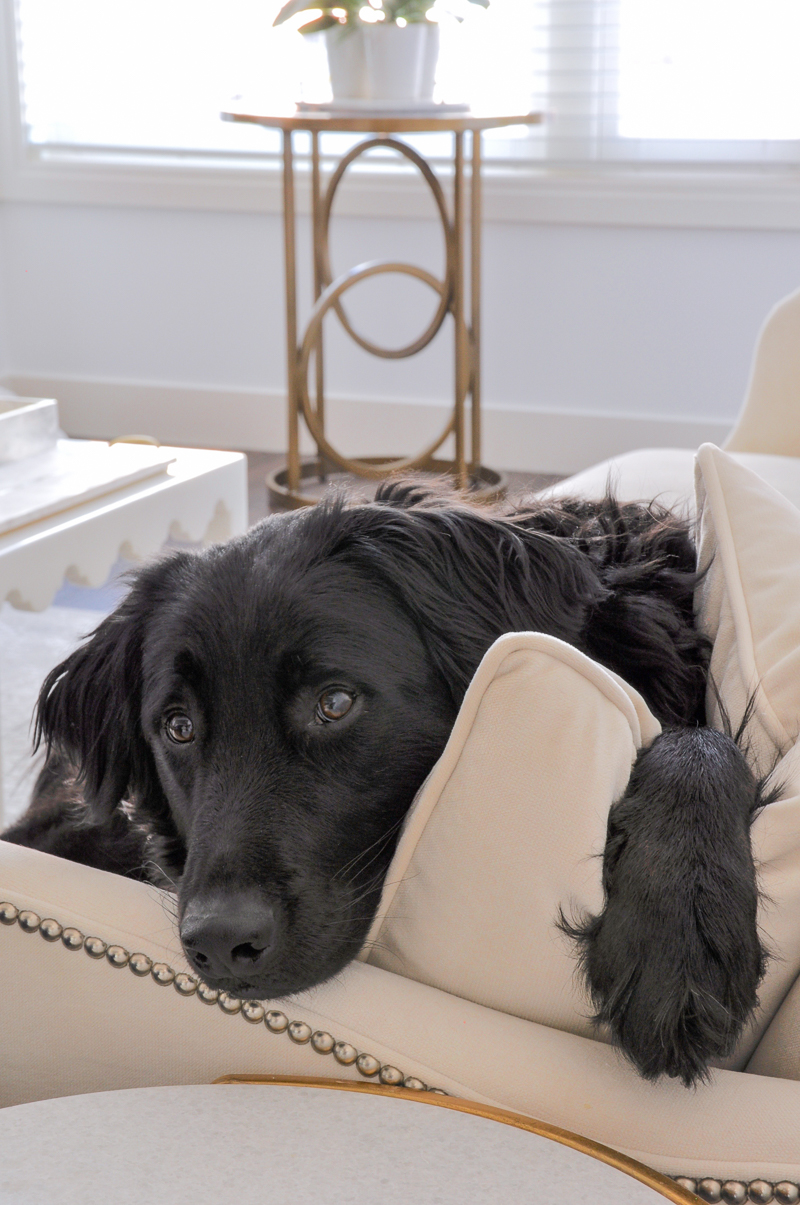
{"points": [[285, 486], [587, 1146]]}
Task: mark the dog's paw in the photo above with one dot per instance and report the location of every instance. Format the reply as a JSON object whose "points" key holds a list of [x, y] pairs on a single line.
{"points": [[674, 960]]}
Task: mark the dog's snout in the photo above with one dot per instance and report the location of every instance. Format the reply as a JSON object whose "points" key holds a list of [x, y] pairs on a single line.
{"points": [[230, 936]]}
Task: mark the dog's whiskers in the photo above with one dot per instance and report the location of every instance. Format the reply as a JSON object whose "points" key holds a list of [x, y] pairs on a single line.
{"points": [[379, 842]]}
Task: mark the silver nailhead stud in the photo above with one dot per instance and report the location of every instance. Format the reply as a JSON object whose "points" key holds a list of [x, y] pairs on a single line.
{"points": [[685, 1182], [163, 974], [438, 1092], [187, 985], [734, 1191], [787, 1193], [50, 929], [95, 947], [299, 1032], [140, 964], [229, 1004], [29, 921], [252, 1011], [276, 1021], [391, 1076], [118, 956], [709, 1190], [322, 1042], [209, 995], [8, 913], [416, 1085], [367, 1065], [760, 1191], [72, 938], [345, 1054]]}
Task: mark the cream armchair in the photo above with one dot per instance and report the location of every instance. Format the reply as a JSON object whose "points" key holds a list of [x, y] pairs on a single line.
{"points": [[765, 438], [466, 985]]}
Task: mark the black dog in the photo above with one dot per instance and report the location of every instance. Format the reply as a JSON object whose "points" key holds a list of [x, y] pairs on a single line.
{"points": [[252, 723]]}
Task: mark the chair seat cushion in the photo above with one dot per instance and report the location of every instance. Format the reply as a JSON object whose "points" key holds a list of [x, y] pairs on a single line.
{"points": [[667, 475]]}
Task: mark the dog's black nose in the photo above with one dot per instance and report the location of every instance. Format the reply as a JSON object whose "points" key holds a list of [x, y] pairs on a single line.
{"points": [[229, 935]]}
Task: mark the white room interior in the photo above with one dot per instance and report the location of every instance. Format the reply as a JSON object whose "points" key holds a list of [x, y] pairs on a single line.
{"points": [[143, 288]]}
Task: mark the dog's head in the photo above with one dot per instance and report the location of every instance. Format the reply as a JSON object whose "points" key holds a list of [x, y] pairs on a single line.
{"points": [[270, 707]]}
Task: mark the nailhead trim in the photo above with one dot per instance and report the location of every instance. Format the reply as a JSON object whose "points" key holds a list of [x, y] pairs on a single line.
{"points": [[252, 1011], [736, 1192]]}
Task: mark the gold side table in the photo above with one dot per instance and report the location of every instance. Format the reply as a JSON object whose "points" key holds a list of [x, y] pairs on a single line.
{"points": [[463, 264]]}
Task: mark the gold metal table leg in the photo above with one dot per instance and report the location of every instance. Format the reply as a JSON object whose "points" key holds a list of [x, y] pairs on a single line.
{"points": [[458, 312], [317, 237], [475, 300], [293, 408]]}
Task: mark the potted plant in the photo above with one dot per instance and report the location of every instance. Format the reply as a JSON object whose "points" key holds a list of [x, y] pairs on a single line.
{"points": [[384, 50]]}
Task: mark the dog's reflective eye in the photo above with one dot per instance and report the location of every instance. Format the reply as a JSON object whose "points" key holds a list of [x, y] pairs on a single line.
{"points": [[180, 729], [334, 705]]}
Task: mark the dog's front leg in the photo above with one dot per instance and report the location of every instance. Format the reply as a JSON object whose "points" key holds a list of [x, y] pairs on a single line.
{"points": [[674, 960]]}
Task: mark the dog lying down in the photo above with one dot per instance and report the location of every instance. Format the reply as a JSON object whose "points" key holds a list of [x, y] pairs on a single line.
{"points": [[251, 724]]}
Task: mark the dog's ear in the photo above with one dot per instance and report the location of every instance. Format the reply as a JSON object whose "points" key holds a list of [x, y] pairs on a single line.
{"points": [[465, 575], [89, 706]]}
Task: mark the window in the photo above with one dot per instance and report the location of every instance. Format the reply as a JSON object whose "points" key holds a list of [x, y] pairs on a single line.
{"points": [[690, 90], [618, 79]]}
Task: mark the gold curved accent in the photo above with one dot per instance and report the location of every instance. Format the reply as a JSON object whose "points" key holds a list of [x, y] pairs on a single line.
{"points": [[327, 300], [587, 1146], [486, 485], [445, 303], [135, 439]]}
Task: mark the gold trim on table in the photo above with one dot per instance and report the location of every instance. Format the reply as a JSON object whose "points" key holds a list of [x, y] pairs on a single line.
{"points": [[587, 1146]]}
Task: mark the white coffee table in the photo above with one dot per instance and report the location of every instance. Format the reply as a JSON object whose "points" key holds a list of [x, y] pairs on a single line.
{"points": [[201, 496], [298, 1144]]}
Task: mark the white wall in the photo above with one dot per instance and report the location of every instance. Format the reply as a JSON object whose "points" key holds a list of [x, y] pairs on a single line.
{"points": [[5, 360], [595, 338]]}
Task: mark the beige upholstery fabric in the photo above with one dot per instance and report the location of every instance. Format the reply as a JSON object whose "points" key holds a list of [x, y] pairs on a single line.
{"points": [[71, 1024], [750, 546], [667, 475], [510, 828], [748, 601], [769, 418]]}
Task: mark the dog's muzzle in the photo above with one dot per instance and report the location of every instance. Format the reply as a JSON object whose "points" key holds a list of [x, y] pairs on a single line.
{"points": [[231, 935]]}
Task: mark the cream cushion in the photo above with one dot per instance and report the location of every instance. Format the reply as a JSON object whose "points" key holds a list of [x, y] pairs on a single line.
{"points": [[667, 475], [509, 828], [749, 600], [467, 983]]}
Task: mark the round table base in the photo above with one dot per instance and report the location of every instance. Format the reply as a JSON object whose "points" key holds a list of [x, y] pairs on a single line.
{"points": [[486, 485]]}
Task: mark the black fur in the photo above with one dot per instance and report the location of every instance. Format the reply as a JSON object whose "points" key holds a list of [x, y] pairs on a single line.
{"points": [[277, 824]]}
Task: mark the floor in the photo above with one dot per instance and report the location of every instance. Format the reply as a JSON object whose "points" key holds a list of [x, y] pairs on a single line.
{"points": [[261, 463]]}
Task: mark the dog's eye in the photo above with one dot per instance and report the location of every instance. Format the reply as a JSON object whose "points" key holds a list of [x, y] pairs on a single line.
{"points": [[180, 729], [334, 705]]}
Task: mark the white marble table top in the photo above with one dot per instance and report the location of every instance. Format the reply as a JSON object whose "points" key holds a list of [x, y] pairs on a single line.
{"points": [[288, 1145]]}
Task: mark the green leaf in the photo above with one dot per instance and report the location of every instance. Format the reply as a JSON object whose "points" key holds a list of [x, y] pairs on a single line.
{"points": [[319, 23], [292, 8]]}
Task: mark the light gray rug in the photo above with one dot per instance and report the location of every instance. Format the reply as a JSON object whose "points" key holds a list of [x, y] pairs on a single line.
{"points": [[30, 645]]}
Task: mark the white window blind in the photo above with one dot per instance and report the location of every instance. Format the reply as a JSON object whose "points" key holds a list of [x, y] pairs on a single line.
{"points": [[618, 80]]}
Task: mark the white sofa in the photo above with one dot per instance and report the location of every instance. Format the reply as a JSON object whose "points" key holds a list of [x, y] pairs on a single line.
{"points": [[466, 985]]}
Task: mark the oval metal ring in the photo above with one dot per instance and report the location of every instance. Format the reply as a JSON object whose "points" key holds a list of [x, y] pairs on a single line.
{"points": [[325, 265], [327, 300]]}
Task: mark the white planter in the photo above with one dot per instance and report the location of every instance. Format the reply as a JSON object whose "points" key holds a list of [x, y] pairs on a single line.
{"points": [[347, 62], [383, 62]]}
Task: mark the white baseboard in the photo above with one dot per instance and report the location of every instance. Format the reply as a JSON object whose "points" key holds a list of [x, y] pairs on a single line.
{"points": [[526, 440]]}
